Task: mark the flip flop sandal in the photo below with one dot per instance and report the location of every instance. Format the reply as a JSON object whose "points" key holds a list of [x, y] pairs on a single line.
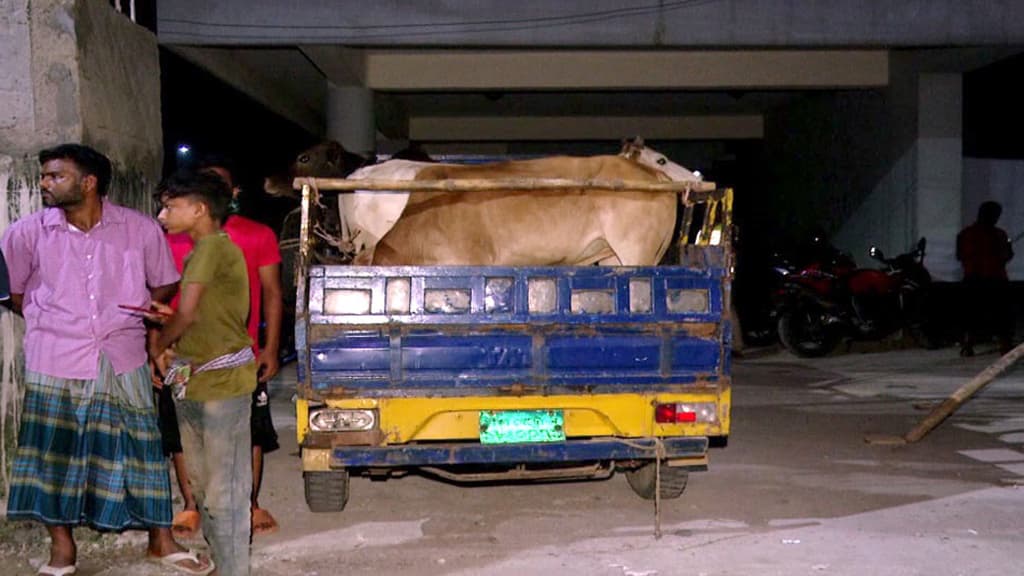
{"points": [[186, 523], [263, 522], [47, 570], [171, 561]]}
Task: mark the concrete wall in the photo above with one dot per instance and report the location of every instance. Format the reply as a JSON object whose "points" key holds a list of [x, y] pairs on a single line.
{"points": [[38, 75], [919, 191], [883, 212], [884, 165], [76, 71], [119, 88], [843, 161], [822, 154], [939, 170]]}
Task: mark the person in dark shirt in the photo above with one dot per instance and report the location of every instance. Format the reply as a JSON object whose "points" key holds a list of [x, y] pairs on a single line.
{"points": [[983, 250]]}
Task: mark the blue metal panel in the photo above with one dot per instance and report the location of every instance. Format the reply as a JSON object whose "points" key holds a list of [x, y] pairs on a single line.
{"points": [[472, 453], [354, 356], [472, 329], [442, 352], [636, 353], [695, 355]]}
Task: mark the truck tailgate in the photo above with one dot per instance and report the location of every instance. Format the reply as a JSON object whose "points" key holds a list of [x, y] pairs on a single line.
{"points": [[466, 330]]}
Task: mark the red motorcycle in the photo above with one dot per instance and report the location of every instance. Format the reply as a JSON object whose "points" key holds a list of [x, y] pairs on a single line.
{"points": [[816, 306]]}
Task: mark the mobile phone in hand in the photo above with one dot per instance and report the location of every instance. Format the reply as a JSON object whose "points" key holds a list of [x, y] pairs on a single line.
{"points": [[141, 309]]}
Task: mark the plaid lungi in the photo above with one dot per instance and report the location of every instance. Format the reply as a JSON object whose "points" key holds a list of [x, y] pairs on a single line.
{"points": [[89, 453]]}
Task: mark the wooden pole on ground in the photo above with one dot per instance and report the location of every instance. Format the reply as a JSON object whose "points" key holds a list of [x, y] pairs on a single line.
{"points": [[952, 403]]}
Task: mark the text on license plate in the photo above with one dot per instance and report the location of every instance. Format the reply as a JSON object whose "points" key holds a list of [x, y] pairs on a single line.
{"points": [[514, 426]]}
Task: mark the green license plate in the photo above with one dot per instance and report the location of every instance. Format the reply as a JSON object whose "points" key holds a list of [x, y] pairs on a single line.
{"points": [[515, 426]]}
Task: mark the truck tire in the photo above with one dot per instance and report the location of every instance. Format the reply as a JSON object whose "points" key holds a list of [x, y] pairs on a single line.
{"points": [[326, 491], [673, 481]]}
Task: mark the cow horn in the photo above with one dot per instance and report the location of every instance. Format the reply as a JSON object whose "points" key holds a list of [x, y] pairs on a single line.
{"points": [[632, 148]]}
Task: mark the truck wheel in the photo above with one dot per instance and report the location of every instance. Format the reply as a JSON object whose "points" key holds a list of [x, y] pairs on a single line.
{"points": [[326, 491], [642, 481]]}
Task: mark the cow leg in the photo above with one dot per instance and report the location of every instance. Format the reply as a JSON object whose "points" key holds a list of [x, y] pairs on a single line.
{"points": [[633, 254], [612, 260], [383, 254], [366, 258], [644, 245]]}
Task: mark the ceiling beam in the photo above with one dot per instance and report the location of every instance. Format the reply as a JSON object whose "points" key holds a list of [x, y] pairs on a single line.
{"points": [[341, 65], [402, 70], [477, 129]]}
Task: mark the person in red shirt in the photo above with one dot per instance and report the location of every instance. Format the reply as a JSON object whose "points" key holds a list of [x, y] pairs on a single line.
{"points": [[263, 262], [983, 250]]}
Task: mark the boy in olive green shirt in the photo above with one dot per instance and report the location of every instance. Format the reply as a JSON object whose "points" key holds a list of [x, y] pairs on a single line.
{"points": [[212, 364]]}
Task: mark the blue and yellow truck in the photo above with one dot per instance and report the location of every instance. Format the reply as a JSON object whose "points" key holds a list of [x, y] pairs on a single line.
{"points": [[488, 373]]}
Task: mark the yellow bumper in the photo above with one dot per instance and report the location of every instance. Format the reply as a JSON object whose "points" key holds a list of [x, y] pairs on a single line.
{"points": [[404, 420]]}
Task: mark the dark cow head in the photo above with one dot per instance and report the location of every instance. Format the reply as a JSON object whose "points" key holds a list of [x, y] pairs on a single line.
{"points": [[325, 160]]}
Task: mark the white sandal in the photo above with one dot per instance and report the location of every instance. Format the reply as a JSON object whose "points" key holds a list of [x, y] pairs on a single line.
{"points": [[171, 561], [47, 570]]}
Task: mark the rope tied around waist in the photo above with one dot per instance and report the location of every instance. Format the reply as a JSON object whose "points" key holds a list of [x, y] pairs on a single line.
{"points": [[181, 371]]}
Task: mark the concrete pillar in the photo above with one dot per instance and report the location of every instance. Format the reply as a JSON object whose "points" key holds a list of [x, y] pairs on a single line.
{"points": [[939, 170], [350, 118], [77, 71]]}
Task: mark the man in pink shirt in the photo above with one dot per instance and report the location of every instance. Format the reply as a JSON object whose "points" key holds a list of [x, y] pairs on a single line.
{"points": [[263, 262], [88, 447]]}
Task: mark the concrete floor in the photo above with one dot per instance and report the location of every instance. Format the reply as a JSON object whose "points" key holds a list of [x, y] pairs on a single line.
{"points": [[797, 491]]}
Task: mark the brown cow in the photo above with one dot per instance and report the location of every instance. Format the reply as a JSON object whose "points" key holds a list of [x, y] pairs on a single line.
{"points": [[565, 227]]}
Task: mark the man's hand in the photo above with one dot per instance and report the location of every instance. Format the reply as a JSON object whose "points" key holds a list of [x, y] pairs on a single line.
{"points": [[163, 362], [267, 365], [159, 313], [161, 359]]}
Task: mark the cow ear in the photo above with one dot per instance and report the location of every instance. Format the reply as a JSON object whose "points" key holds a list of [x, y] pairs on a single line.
{"points": [[335, 152], [628, 148]]}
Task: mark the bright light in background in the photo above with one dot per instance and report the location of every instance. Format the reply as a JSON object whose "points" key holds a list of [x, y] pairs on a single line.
{"points": [[184, 149]]}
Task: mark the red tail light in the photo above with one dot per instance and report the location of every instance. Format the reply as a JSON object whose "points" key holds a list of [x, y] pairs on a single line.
{"points": [[664, 413], [669, 414]]}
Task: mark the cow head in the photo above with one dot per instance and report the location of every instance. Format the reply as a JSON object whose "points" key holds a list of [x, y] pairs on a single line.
{"points": [[325, 160], [636, 151]]}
